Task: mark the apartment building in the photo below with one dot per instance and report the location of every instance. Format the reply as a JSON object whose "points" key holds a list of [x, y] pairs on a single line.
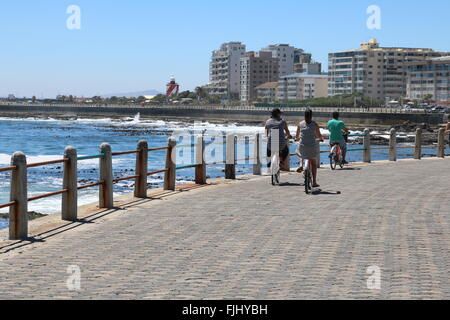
{"points": [[256, 68], [287, 57], [267, 92], [308, 67], [301, 86], [374, 71], [430, 77], [224, 70]]}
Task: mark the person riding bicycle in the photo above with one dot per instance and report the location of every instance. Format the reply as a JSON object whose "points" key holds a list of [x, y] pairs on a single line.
{"points": [[337, 131], [277, 132], [308, 131]]}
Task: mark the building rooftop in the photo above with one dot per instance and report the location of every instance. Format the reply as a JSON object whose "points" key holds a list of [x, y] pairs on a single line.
{"points": [[374, 45]]}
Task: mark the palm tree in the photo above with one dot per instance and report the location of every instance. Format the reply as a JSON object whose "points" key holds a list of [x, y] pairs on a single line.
{"points": [[201, 93]]}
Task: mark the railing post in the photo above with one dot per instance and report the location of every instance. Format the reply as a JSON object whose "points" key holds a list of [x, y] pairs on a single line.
{"points": [[140, 185], [287, 161], [418, 144], [18, 213], [200, 169], [170, 175], [106, 177], [441, 143], [70, 183], [230, 166], [366, 144], [257, 155], [393, 145]]}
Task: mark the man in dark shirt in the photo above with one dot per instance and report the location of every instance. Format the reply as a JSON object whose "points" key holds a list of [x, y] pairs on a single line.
{"points": [[277, 132]]}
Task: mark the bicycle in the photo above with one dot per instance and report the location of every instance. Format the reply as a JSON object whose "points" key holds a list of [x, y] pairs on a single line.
{"points": [[336, 156]]}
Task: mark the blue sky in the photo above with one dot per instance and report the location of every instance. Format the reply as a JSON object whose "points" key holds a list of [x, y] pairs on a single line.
{"points": [[135, 45]]}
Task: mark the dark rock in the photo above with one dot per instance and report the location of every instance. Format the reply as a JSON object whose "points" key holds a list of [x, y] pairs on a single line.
{"points": [[31, 215]]}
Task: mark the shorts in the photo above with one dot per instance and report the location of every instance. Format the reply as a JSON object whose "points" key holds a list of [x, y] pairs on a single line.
{"points": [[283, 153], [342, 144]]}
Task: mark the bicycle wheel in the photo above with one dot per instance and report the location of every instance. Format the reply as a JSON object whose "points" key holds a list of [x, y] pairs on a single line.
{"points": [[308, 182], [333, 162]]}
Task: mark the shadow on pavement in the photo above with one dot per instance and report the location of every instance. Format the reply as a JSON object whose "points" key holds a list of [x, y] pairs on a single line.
{"points": [[320, 191]]}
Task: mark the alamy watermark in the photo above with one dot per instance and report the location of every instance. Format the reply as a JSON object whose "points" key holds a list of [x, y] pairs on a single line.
{"points": [[374, 19], [217, 143], [374, 279], [73, 281], [73, 22]]}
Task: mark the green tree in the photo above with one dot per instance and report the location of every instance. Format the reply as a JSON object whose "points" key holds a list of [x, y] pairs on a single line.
{"points": [[428, 98], [113, 100], [160, 98], [140, 99]]}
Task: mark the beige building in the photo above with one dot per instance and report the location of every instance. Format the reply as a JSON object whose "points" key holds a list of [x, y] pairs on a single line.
{"points": [[430, 77], [374, 71], [256, 68], [301, 86], [267, 92]]}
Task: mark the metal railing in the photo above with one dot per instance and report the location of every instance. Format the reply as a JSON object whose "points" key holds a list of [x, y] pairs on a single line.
{"points": [[393, 146], [18, 204]]}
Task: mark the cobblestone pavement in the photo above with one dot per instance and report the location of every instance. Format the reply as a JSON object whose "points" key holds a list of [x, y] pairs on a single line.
{"points": [[253, 241]]}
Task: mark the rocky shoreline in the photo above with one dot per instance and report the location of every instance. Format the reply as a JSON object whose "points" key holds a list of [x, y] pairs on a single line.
{"points": [[32, 215]]}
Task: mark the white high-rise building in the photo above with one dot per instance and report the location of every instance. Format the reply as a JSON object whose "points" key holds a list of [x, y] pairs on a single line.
{"points": [[224, 70], [287, 57]]}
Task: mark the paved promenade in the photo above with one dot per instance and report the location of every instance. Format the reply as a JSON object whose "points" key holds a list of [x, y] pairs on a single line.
{"points": [[253, 241]]}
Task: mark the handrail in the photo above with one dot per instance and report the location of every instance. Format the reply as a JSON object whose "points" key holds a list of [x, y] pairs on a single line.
{"points": [[8, 204], [46, 195], [8, 168], [125, 178], [186, 167], [45, 163], [157, 149], [94, 184], [124, 153], [156, 172], [97, 156]]}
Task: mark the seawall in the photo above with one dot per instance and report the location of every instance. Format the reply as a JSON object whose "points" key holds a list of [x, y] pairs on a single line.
{"points": [[220, 113]]}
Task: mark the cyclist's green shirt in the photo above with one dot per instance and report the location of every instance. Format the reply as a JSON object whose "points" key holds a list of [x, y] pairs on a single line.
{"points": [[336, 127]]}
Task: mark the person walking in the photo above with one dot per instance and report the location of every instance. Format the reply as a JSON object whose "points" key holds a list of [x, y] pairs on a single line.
{"points": [[277, 132]]}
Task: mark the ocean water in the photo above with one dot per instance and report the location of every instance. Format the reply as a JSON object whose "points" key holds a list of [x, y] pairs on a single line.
{"points": [[45, 139]]}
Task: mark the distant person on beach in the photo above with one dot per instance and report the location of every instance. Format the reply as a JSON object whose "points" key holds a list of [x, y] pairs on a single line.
{"points": [[308, 131], [337, 131], [277, 132]]}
